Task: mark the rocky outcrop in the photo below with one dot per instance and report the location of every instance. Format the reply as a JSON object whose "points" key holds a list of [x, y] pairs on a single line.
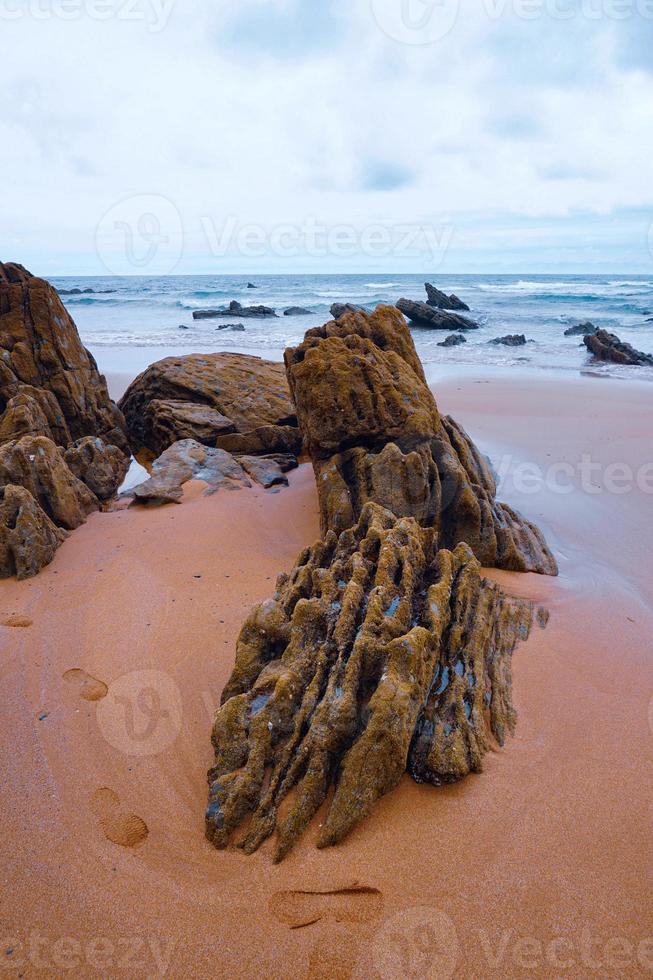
{"points": [[441, 301], [374, 432], [35, 463], [453, 340], [296, 311], [76, 291], [607, 347], [510, 340], [581, 330], [339, 309], [378, 654], [62, 439], [28, 538], [189, 460], [384, 651], [235, 309], [40, 349], [422, 315], [210, 398]]}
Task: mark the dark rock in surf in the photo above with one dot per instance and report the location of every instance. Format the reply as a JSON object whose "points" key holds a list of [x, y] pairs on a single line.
{"points": [[608, 347], [581, 330], [453, 340], [510, 340], [441, 301], [423, 315]]}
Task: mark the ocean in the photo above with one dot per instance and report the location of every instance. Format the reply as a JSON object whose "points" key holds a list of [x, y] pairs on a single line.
{"points": [[143, 319]]}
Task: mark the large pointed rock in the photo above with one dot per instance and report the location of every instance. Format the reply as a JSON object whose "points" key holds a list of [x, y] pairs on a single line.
{"points": [[374, 432]]}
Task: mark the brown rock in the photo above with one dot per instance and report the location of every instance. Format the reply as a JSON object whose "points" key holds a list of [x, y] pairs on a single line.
{"points": [[374, 432], [269, 471], [249, 392], [34, 462], [264, 440], [607, 347], [379, 654], [102, 468], [40, 348], [28, 538]]}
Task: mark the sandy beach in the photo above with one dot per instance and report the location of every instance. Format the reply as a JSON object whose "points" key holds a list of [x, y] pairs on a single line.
{"points": [[113, 660]]}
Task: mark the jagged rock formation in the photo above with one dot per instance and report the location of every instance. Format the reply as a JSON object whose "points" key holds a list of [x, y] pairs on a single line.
{"points": [[378, 654], [235, 309], [40, 350], [374, 432], [441, 301], [339, 309], [423, 315], [62, 439], [189, 460], [510, 340], [581, 329], [453, 340], [384, 651], [607, 347], [216, 399], [28, 538]]}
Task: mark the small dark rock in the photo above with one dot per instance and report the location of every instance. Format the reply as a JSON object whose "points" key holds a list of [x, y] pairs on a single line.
{"points": [[339, 309], [453, 340], [250, 285], [581, 330], [296, 311], [510, 340], [441, 301], [230, 326], [423, 315], [234, 308], [182, 326]]}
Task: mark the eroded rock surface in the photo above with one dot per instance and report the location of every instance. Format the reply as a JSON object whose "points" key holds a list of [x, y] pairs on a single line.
{"points": [[374, 432], [378, 654], [28, 538], [608, 347], [207, 397], [441, 301], [423, 315]]}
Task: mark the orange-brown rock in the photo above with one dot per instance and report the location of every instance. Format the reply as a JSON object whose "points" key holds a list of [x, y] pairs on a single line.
{"points": [[35, 463], [221, 394], [40, 348], [28, 538], [379, 654], [374, 432], [102, 468]]}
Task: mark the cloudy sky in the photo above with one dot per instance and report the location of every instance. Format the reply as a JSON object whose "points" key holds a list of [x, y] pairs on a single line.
{"points": [[155, 136]]}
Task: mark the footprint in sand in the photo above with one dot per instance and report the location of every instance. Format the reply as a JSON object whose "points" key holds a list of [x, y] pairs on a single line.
{"points": [[353, 903], [16, 621], [90, 688], [118, 825]]}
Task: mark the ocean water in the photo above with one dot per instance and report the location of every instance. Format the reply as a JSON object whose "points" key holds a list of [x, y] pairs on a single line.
{"points": [[141, 319]]}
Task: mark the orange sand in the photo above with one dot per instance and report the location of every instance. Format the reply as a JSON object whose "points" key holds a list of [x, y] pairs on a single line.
{"points": [[539, 867]]}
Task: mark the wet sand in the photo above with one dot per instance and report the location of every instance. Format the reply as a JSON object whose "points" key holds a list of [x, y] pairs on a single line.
{"points": [[541, 866]]}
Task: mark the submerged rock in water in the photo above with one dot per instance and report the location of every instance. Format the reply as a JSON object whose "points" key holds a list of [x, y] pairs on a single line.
{"points": [[237, 309], [379, 654], [510, 340], [208, 396], [296, 311], [581, 330], [453, 340], [28, 538], [374, 432], [608, 347], [441, 301], [423, 315]]}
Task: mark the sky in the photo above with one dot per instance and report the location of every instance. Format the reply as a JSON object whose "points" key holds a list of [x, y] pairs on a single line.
{"points": [[174, 136]]}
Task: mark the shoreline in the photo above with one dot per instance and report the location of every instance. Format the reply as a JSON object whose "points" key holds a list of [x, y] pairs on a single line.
{"points": [[547, 844]]}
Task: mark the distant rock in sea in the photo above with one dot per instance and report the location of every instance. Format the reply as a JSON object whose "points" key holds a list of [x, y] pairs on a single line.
{"points": [[608, 347], [510, 340], [296, 311], [423, 315], [581, 330], [84, 292], [234, 308], [231, 326], [441, 301], [453, 340], [251, 285], [339, 309]]}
